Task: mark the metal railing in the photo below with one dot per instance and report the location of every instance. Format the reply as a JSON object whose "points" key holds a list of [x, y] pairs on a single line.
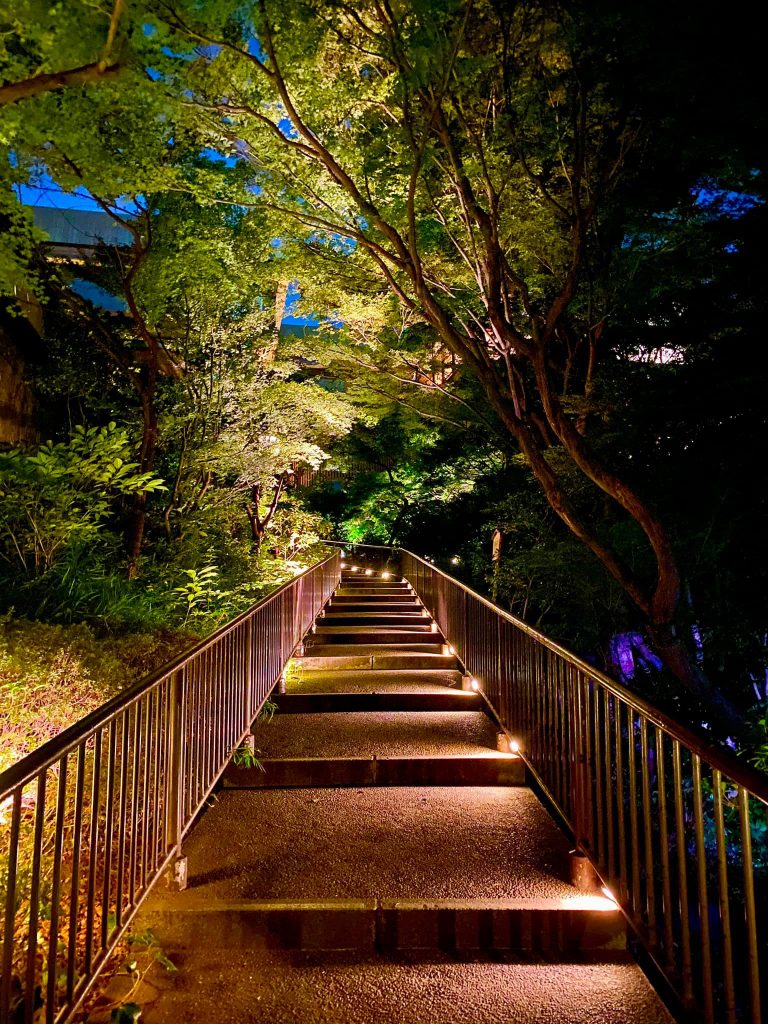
{"points": [[676, 829], [91, 819]]}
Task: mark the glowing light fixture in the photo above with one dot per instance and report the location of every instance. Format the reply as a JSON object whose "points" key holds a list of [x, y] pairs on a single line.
{"points": [[386, 575], [343, 565], [514, 746], [455, 560], [434, 627], [355, 568], [369, 572], [474, 685], [451, 649], [609, 895]]}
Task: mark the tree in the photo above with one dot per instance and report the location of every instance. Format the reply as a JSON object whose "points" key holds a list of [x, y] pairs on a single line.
{"points": [[484, 159], [38, 36]]}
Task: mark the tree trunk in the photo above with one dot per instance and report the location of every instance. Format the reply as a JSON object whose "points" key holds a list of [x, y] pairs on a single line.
{"points": [[147, 453]]}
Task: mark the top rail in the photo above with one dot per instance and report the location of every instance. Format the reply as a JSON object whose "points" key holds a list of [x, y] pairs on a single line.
{"points": [[50, 751], [90, 820], [720, 758], [675, 827]]}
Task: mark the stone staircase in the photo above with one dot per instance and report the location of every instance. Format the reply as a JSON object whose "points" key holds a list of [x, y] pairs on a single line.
{"points": [[385, 859]]}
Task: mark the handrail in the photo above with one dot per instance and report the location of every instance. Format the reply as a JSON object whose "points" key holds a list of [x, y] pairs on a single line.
{"points": [[666, 818], [90, 820], [727, 762], [50, 751]]}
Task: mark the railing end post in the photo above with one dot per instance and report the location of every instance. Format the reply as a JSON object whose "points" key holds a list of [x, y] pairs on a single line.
{"points": [[583, 874], [179, 874]]}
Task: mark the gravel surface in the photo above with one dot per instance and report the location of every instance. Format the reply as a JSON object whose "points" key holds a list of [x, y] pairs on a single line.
{"points": [[410, 842], [371, 681], [300, 989]]}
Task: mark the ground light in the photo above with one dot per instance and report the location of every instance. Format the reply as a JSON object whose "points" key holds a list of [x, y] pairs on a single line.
{"points": [[369, 572], [514, 746], [386, 575]]}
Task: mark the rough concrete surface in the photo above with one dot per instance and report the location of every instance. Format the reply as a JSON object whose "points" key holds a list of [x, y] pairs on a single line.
{"points": [[412, 842], [371, 681], [382, 733], [352, 989]]}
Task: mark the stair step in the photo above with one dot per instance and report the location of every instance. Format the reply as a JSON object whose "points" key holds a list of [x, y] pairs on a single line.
{"points": [[219, 985], [482, 769], [375, 734], [383, 635], [571, 925], [345, 681], [377, 656], [368, 587], [375, 578], [390, 700], [376, 603], [333, 617], [413, 842]]}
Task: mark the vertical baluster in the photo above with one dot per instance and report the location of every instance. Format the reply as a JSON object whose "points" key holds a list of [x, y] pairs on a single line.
{"points": [[135, 766], [157, 757], [634, 838], [729, 992], [600, 790], [682, 875], [53, 937], [122, 815], [701, 877], [650, 885], [750, 912], [574, 708], [609, 787], [108, 831], [34, 899], [93, 849], [9, 923], [74, 895], [146, 754], [589, 810], [620, 802], [666, 878]]}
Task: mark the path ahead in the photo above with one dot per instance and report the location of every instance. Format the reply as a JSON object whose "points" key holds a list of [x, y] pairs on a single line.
{"points": [[385, 862]]}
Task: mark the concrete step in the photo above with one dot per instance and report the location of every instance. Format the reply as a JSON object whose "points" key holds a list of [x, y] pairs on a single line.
{"points": [[303, 680], [377, 656], [220, 985], [404, 843], [325, 635], [477, 867], [375, 576], [371, 591], [481, 769], [295, 703], [565, 927], [334, 617], [386, 602], [375, 734]]}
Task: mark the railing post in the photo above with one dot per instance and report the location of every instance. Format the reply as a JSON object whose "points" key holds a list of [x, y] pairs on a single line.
{"points": [[175, 815], [248, 689]]}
